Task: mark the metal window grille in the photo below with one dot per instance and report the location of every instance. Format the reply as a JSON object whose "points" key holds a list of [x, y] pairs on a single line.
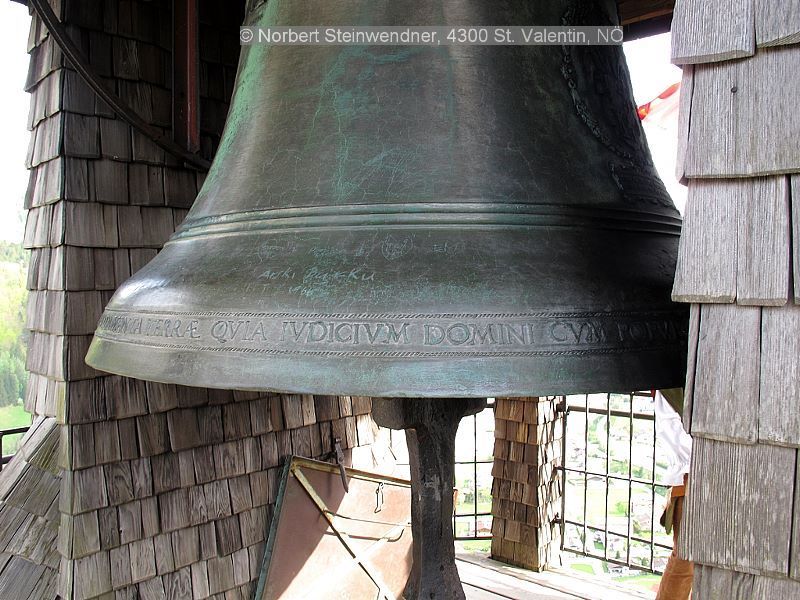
{"points": [[472, 518], [16, 432], [612, 499]]}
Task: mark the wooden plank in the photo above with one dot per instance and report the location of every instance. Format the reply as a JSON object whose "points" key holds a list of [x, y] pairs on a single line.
{"points": [[706, 270], [795, 201], [764, 242], [738, 512], [779, 419], [727, 373], [777, 25], [699, 35], [734, 131]]}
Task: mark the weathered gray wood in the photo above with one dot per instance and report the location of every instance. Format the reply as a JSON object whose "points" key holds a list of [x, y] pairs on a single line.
{"points": [[157, 226], [229, 459], [712, 583], [119, 482], [130, 522], [110, 181], [735, 130], [141, 472], [92, 576], [241, 567], [90, 224], [174, 509], [236, 420], [153, 434], [19, 578], [699, 35], [115, 139], [706, 270], [777, 23], [165, 558], [200, 580], [143, 560], [727, 373], [186, 547], [86, 535], [120, 566], [764, 242], [738, 512], [178, 585], [779, 418], [795, 195], [241, 498], [152, 589], [229, 537], [794, 559], [220, 574], [184, 429], [89, 490], [253, 525], [109, 527], [218, 499]]}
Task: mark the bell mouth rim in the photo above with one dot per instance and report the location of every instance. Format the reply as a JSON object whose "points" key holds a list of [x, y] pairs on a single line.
{"points": [[654, 368], [427, 214]]}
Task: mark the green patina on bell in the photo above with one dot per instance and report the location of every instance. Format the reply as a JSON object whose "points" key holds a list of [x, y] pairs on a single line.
{"points": [[462, 221]]}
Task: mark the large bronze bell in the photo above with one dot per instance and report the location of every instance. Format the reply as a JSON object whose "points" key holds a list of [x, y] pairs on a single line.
{"points": [[417, 222]]}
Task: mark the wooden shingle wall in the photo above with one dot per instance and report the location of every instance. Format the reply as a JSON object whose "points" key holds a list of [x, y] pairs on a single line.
{"points": [[165, 491], [739, 264], [526, 485]]}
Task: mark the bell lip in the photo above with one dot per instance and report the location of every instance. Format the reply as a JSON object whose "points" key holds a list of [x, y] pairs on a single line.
{"points": [[659, 368]]}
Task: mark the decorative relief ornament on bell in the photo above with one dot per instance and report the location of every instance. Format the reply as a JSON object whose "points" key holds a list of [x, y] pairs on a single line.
{"points": [[410, 221]]}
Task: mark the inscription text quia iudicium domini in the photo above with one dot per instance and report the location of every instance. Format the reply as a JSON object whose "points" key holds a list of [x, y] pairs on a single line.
{"points": [[454, 333]]}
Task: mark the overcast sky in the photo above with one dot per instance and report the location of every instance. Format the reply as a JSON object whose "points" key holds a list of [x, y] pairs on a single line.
{"points": [[14, 25], [648, 60]]}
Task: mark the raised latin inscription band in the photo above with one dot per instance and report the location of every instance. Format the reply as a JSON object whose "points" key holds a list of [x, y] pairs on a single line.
{"points": [[399, 335]]}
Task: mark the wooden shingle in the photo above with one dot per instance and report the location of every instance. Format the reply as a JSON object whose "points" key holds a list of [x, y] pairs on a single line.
{"points": [[738, 511], [764, 242], [727, 373], [733, 131], [700, 36], [777, 25], [779, 421]]}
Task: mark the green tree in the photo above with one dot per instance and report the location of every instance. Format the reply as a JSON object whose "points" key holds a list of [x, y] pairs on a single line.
{"points": [[13, 337]]}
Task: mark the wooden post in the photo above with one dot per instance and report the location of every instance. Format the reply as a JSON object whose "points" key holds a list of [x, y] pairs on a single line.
{"points": [[526, 491]]}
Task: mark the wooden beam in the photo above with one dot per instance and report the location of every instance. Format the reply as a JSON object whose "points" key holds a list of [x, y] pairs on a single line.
{"points": [[635, 11], [185, 75]]}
